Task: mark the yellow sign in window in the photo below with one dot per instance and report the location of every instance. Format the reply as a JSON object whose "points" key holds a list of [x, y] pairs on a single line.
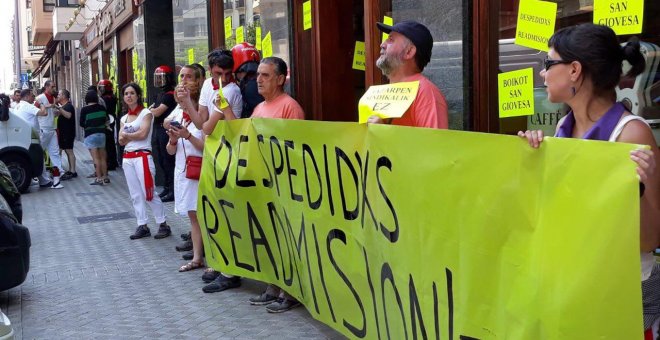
{"points": [[359, 59], [228, 30], [267, 46], [257, 34], [516, 93], [536, 23], [240, 34], [624, 17], [191, 56], [387, 21], [307, 15]]}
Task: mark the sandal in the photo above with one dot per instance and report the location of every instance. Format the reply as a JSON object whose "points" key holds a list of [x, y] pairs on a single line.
{"points": [[191, 266]]}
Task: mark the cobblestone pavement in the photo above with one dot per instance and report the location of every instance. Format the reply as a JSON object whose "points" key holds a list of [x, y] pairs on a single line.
{"points": [[88, 280]]}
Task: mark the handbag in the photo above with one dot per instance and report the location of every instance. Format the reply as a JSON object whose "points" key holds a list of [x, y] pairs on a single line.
{"points": [[193, 164]]}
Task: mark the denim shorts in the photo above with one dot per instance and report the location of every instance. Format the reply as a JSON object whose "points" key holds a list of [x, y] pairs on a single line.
{"points": [[95, 141]]}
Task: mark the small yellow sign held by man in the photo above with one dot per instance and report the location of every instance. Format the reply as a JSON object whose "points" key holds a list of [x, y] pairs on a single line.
{"points": [[267, 46], [387, 101], [307, 15], [536, 23], [623, 16], [516, 93], [359, 59]]}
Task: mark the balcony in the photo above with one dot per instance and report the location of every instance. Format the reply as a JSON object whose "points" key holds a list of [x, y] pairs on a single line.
{"points": [[42, 22], [61, 18]]}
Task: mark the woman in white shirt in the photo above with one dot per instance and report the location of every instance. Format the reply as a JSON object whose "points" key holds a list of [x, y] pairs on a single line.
{"points": [[138, 165], [187, 141]]}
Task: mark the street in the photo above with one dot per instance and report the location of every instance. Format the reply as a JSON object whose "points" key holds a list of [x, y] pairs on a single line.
{"points": [[88, 280]]}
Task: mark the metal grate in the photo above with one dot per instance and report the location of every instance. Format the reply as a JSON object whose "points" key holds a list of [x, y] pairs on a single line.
{"points": [[104, 218]]}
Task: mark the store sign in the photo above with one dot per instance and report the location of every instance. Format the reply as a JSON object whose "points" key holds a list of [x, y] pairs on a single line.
{"points": [[624, 17], [516, 93], [536, 23]]}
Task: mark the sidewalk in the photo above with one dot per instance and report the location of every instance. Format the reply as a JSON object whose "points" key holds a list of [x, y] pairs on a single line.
{"points": [[88, 280]]}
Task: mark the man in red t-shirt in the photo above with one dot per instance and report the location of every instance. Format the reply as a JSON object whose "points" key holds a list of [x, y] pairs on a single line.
{"points": [[403, 56]]}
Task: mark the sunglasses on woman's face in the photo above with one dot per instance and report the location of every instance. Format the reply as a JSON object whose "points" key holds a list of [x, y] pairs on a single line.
{"points": [[547, 63]]}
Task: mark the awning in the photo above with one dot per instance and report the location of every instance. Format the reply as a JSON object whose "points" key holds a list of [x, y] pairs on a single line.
{"points": [[45, 59]]}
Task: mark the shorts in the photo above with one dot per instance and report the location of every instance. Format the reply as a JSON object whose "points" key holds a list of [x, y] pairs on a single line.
{"points": [[95, 141], [65, 141]]}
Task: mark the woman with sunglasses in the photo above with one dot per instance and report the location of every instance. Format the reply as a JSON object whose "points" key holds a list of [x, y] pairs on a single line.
{"points": [[138, 165], [583, 67]]}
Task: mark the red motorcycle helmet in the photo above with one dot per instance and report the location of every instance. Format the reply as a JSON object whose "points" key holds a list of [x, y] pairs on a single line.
{"points": [[243, 53], [163, 76], [104, 86]]}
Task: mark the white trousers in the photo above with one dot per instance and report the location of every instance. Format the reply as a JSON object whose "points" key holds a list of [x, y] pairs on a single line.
{"points": [[135, 180], [48, 139]]}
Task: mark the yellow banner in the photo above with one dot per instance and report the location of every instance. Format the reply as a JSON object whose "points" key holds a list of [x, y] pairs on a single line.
{"points": [[387, 232], [359, 56], [516, 93], [387, 101], [536, 23], [624, 17]]}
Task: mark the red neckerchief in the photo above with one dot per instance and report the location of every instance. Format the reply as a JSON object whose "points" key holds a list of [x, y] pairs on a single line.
{"points": [[216, 86], [135, 111], [186, 117], [50, 97]]}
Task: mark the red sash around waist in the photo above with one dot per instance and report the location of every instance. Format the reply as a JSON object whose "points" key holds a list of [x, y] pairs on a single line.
{"points": [[148, 179]]}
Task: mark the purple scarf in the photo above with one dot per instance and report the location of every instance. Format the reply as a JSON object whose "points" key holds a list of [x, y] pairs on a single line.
{"points": [[599, 131]]}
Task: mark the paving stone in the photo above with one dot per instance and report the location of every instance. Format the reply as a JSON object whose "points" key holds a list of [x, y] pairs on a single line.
{"points": [[90, 281]]}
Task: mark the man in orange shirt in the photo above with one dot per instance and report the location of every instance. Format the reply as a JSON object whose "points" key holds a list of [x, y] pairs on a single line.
{"points": [[403, 56], [271, 76]]}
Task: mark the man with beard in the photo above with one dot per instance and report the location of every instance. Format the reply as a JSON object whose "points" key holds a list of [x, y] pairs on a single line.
{"points": [[403, 56]]}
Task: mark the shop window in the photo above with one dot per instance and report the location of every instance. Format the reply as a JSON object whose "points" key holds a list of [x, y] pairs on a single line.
{"points": [[446, 67], [49, 5], [190, 31], [646, 92], [271, 16]]}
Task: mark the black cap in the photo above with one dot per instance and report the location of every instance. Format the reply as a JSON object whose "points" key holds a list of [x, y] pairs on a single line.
{"points": [[418, 34]]}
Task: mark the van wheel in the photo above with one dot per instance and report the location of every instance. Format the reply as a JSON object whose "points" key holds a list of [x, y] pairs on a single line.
{"points": [[19, 167]]}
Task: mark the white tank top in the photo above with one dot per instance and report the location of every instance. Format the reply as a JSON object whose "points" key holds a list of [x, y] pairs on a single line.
{"points": [[648, 260], [144, 144]]}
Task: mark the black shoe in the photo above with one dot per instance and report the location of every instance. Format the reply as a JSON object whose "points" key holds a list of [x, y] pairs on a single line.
{"points": [[186, 236], [167, 198], [163, 231], [184, 246], [140, 232], [282, 305], [209, 275], [222, 283], [188, 256], [164, 192], [263, 299], [46, 185], [67, 176], [74, 174]]}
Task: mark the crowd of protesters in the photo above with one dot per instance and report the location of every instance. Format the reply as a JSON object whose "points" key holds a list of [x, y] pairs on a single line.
{"points": [[582, 69]]}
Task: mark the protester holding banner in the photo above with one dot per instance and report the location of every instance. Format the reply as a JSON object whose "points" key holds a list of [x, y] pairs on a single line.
{"points": [[186, 142], [582, 69], [271, 76], [139, 168], [403, 56]]}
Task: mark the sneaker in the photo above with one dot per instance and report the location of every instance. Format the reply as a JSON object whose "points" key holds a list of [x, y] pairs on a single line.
{"points": [[106, 180], [91, 176], [185, 236], [35, 181], [67, 176], [184, 246], [163, 231], [209, 275], [57, 185], [282, 305], [222, 283], [47, 184], [262, 299], [140, 232], [74, 174], [188, 256]]}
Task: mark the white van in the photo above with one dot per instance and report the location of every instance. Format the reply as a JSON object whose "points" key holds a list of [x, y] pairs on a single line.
{"points": [[20, 150]]}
